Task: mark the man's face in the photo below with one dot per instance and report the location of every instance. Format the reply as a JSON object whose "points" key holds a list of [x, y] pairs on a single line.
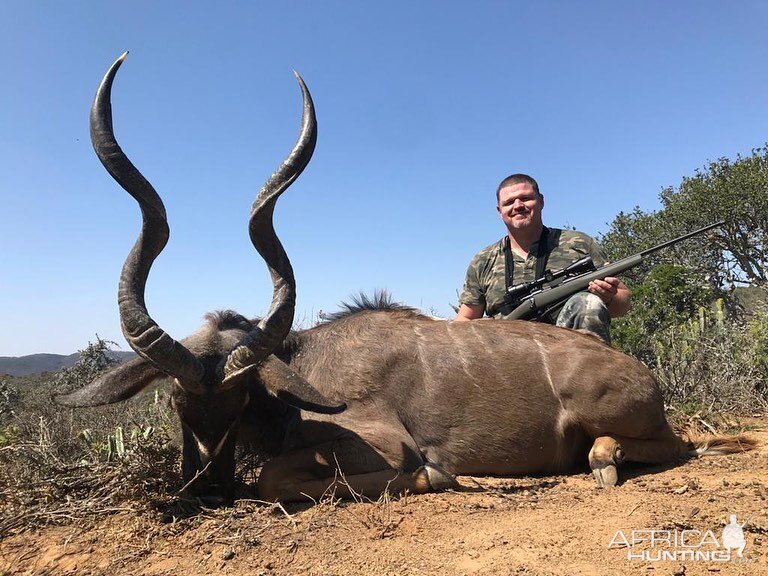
{"points": [[519, 206]]}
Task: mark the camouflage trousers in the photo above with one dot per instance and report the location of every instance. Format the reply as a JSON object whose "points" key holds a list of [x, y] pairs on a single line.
{"points": [[586, 311]]}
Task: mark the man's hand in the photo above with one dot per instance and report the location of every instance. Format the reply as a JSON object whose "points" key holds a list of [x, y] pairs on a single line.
{"points": [[606, 289], [614, 293]]}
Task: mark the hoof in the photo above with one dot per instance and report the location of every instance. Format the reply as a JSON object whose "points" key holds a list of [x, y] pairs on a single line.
{"points": [[438, 478], [605, 474]]}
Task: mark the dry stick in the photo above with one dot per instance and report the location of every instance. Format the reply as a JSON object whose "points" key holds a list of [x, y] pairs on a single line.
{"points": [[356, 496], [286, 513], [329, 491], [314, 502], [195, 477], [707, 425], [329, 494], [280, 506]]}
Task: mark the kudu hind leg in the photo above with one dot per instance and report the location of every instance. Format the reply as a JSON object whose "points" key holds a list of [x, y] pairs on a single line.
{"points": [[604, 457], [611, 450]]}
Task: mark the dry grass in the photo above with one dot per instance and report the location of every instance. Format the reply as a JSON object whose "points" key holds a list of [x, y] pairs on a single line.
{"points": [[39, 486]]}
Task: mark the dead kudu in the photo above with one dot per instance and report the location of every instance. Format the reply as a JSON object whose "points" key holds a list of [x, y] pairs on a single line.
{"points": [[390, 398]]}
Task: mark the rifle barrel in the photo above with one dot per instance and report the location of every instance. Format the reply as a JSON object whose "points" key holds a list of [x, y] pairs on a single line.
{"points": [[681, 238]]}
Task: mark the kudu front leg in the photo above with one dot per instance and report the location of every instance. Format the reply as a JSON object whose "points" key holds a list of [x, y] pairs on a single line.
{"points": [[369, 486], [310, 474]]}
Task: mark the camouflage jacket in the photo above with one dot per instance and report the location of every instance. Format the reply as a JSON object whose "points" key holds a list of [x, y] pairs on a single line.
{"points": [[485, 283]]}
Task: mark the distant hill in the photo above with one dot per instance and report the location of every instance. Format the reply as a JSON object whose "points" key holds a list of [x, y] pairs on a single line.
{"points": [[37, 363]]}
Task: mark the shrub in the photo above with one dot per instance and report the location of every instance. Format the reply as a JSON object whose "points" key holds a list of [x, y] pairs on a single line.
{"points": [[668, 297], [57, 463], [713, 363]]}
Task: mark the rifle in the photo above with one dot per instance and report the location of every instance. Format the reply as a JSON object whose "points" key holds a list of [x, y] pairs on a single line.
{"points": [[534, 299]]}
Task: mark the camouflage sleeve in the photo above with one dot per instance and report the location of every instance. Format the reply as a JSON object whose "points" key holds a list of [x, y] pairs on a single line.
{"points": [[597, 253], [574, 245], [473, 291]]}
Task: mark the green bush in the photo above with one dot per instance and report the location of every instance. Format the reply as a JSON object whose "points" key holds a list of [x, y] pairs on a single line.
{"points": [[669, 296]]}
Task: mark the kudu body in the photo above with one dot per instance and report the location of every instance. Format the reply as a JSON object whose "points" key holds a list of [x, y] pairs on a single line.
{"points": [[381, 397]]}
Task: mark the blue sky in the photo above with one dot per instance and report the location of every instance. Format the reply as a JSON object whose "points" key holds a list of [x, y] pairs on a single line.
{"points": [[423, 107]]}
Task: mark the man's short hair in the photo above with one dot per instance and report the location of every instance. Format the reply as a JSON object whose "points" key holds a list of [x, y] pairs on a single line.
{"points": [[518, 179]]}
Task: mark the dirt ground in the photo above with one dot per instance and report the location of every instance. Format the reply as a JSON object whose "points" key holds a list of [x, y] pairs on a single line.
{"points": [[522, 526]]}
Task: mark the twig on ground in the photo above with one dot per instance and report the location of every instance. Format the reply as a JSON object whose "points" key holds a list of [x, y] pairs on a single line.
{"points": [[195, 477]]}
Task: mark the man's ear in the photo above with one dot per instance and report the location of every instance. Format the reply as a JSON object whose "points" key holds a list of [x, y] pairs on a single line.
{"points": [[120, 383], [541, 197]]}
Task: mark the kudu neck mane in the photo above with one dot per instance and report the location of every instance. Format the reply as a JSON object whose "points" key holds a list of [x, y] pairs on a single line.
{"points": [[380, 301]]}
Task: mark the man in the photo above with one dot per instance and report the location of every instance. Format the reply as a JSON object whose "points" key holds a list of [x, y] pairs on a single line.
{"points": [[533, 248]]}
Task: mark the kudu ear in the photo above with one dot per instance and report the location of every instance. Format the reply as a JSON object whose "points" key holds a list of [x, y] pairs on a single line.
{"points": [[292, 389], [120, 383]]}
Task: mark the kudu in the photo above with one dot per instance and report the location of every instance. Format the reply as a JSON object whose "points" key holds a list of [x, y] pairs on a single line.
{"points": [[380, 397]]}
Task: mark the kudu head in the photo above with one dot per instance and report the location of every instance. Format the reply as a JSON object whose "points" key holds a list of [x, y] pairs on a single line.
{"points": [[215, 369]]}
